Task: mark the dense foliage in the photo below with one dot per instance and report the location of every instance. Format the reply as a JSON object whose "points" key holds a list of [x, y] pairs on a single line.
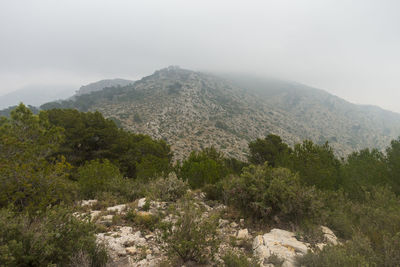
{"points": [[270, 149], [56, 158], [90, 136], [53, 238], [29, 177], [207, 167]]}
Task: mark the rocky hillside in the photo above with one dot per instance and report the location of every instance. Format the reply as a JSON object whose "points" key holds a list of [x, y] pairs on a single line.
{"points": [[132, 235], [192, 110]]}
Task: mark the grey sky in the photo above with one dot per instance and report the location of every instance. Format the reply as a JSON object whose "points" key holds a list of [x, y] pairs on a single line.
{"points": [[350, 48]]}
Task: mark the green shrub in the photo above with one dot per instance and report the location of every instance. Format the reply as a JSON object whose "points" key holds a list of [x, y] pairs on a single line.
{"points": [[270, 149], [201, 168], [371, 225], [232, 259], [143, 220], [354, 253], [213, 191], [263, 192], [191, 237], [167, 189], [316, 164], [363, 170], [53, 237], [96, 177]]}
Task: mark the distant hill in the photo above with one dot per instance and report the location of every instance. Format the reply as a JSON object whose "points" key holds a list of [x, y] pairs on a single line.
{"points": [[192, 110], [36, 95], [100, 85]]}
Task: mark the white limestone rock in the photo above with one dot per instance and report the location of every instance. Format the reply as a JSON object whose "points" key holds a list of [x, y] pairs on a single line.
{"points": [[281, 243], [141, 203], [329, 236], [243, 234], [89, 202], [118, 209]]}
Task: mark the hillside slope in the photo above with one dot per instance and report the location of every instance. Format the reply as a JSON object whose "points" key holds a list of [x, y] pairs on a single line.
{"points": [[192, 110], [100, 85]]}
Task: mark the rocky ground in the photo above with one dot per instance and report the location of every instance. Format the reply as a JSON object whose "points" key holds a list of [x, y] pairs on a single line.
{"points": [[138, 243]]}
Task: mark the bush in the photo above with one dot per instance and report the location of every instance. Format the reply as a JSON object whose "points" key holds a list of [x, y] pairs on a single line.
{"points": [[201, 168], [54, 237], [191, 237], [144, 220], [96, 177], [232, 259], [167, 189], [354, 253], [263, 192], [372, 230], [316, 164], [270, 149]]}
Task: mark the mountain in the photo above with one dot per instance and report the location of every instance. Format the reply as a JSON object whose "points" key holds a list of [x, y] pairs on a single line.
{"points": [[100, 85], [36, 95], [192, 110]]}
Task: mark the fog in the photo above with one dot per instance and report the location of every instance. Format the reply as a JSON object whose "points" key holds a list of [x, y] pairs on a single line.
{"points": [[349, 48]]}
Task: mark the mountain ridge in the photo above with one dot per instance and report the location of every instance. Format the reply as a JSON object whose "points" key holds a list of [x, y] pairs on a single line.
{"points": [[193, 110]]}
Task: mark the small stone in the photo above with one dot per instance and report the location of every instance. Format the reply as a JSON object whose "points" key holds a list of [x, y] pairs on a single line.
{"points": [[117, 209], [141, 203], [107, 218], [241, 221], [149, 236], [243, 234], [88, 202]]}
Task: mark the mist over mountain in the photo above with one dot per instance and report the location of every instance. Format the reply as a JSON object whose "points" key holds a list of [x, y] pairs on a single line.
{"points": [[36, 95], [192, 110]]}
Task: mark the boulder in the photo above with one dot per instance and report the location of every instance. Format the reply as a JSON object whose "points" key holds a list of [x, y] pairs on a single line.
{"points": [[117, 241], [280, 243], [329, 236]]}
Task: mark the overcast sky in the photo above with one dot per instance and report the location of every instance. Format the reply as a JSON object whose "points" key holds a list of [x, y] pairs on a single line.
{"points": [[350, 48]]}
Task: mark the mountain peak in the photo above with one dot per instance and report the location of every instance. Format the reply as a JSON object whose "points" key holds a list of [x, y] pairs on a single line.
{"points": [[193, 110]]}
